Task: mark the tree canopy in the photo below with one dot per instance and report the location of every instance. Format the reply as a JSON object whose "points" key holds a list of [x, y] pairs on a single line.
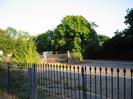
{"points": [[121, 45], [74, 33], [19, 44]]}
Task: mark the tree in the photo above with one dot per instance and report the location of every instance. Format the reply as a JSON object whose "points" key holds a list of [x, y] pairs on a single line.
{"points": [[25, 51], [12, 33], [121, 45], [44, 41], [75, 34], [19, 44], [129, 18], [103, 39], [6, 43]]}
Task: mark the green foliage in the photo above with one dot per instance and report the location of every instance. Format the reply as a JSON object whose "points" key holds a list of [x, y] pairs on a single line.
{"points": [[19, 44], [44, 41], [103, 39], [6, 43], [78, 56], [11, 32], [25, 51], [74, 33], [129, 18], [121, 45]]}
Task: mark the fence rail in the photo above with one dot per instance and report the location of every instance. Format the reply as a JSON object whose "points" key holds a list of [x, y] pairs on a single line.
{"points": [[62, 81]]}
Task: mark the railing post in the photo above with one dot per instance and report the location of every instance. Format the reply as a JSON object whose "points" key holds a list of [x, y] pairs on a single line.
{"points": [[100, 69], [131, 71], [95, 70], [106, 83], [112, 83], [124, 71], [84, 83], [32, 82], [90, 80], [70, 68], [74, 81], [118, 83], [8, 77], [78, 81]]}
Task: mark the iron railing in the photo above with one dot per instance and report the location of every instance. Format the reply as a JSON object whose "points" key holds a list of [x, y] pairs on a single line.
{"points": [[62, 81]]}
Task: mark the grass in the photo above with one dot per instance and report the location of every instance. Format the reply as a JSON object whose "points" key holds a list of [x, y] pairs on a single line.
{"points": [[18, 85]]}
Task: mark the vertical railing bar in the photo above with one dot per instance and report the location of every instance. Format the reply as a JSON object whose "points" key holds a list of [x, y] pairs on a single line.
{"points": [[100, 69], [49, 71], [8, 77], [36, 74], [51, 79], [36, 95], [54, 79], [60, 66], [35, 83], [124, 71], [84, 82], [71, 79], [25, 81], [63, 66], [90, 82], [28, 64], [78, 81], [111, 83], [48, 79], [45, 78], [131, 71], [95, 84], [28, 80], [57, 67], [23, 78], [51, 91], [44, 86], [53, 86], [74, 82], [106, 82], [118, 83], [47, 87], [67, 79], [41, 79]]}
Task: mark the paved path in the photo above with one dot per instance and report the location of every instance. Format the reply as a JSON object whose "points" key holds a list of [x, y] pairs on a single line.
{"points": [[108, 63]]}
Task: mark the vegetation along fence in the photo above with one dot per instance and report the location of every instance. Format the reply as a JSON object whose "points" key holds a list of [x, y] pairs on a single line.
{"points": [[61, 81]]}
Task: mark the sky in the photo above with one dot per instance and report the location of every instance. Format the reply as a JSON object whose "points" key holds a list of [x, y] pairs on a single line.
{"points": [[38, 16]]}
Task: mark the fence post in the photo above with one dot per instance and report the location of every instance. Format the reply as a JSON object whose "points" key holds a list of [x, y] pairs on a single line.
{"points": [[90, 80], [95, 70], [106, 86], [112, 83], [8, 77], [84, 83], [32, 82], [118, 83], [131, 71], [124, 71]]}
